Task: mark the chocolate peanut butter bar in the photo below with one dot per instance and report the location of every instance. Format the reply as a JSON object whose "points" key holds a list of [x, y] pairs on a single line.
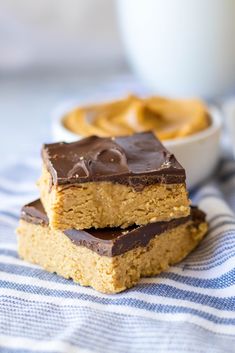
{"points": [[111, 259], [111, 182]]}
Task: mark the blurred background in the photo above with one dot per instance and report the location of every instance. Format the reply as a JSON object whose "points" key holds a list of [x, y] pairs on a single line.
{"points": [[59, 34], [51, 51]]}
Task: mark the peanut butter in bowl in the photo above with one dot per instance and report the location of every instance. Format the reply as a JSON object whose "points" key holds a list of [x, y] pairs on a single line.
{"points": [[167, 118]]}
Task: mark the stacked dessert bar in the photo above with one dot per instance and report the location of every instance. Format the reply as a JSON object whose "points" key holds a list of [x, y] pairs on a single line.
{"points": [[111, 211]]}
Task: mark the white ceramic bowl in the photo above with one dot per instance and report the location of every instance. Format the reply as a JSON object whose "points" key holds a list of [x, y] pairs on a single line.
{"points": [[197, 153]]}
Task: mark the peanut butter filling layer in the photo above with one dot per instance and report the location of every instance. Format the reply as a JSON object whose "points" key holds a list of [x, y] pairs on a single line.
{"points": [[107, 204]]}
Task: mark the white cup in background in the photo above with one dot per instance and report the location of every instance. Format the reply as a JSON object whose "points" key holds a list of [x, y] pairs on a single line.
{"points": [[229, 111], [181, 47]]}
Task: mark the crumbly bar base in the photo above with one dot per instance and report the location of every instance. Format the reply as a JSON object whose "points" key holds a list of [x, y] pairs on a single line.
{"points": [[106, 204], [55, 252]]}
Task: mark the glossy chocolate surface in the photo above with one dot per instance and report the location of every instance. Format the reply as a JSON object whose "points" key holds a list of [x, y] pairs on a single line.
{"points": [[136, 160], [111, 241], [34, 212]]}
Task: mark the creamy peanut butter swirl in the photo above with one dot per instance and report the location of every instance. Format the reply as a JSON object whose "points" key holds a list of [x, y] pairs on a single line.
{"points": [[167, 118]]}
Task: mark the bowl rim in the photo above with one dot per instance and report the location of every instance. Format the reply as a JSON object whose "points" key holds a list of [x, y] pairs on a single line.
{"points": [[216, 122]]}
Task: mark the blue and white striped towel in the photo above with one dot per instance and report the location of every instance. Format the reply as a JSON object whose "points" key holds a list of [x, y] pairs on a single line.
{"points": [[190, 308]]}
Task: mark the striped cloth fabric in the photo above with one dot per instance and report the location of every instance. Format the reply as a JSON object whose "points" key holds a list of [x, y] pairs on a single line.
{"points": [[190, 308]]}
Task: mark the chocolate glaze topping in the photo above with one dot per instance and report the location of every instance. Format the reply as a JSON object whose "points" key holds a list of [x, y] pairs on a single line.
{"points": [[136, 160], [111, 241], [35, 213]]}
